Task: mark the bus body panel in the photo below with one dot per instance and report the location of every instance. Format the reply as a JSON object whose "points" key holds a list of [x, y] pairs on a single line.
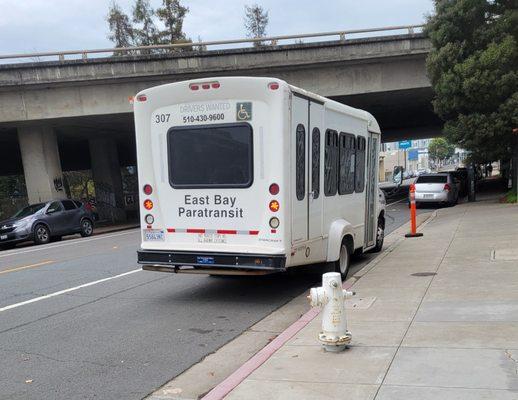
{"points": [[229, 227], [212, 219]]}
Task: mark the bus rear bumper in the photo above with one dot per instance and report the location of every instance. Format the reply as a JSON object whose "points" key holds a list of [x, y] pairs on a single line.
{"points": [[207, 262]]}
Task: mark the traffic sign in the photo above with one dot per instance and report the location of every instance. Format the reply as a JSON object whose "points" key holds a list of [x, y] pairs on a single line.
{"points": [[413, 155], [405, 144]]}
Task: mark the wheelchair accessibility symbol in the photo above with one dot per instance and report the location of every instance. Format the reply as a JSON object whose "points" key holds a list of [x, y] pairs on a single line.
{"points": [[244, 111]]}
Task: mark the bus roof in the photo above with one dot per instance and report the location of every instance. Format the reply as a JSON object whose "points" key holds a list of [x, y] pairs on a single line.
{"points": [[331, 104], [334, 105]]}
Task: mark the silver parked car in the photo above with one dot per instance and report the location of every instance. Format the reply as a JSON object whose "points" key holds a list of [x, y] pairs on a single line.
{"points": [[44, 222], [437, 188]]}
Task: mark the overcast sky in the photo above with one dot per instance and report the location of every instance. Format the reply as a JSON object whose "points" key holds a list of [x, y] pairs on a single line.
{"points": [[47, 25]]}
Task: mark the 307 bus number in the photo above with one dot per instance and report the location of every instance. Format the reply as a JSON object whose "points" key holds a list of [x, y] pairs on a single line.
{"points": [[161, 118]]}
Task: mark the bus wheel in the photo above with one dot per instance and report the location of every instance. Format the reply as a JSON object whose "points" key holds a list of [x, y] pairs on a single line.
{"points": [[380, 236], [344, 261]]}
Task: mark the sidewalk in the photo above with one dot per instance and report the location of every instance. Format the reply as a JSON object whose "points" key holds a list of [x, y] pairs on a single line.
{"points": [[437, 319]]}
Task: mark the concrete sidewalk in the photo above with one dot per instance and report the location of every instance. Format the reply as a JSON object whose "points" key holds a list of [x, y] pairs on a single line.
{"points": [[435, 318]]}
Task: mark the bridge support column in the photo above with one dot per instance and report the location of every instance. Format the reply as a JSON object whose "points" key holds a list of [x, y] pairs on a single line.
{"points": [[107, 179], [41, 163]]}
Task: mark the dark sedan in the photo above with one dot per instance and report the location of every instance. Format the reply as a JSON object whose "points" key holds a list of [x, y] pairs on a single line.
{"points": [[44, 222]]}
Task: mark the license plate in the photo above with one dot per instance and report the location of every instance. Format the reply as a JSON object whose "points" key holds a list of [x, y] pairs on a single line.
{"points": [[428, 196], [212, 238], [153, 235], [3, 237], [205, 260]]}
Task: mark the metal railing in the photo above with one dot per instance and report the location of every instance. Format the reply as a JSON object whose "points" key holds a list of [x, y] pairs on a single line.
{"points": [[269, 40]]}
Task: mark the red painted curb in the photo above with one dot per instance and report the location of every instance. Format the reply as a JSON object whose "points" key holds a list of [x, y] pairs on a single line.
{"points": [[239, 375]]}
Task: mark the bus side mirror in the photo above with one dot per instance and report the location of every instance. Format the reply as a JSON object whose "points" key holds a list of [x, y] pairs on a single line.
{"points": [[397, 176]]}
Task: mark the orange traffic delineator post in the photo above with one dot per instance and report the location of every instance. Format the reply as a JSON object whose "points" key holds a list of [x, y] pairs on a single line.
{"points": [[413, 224]]}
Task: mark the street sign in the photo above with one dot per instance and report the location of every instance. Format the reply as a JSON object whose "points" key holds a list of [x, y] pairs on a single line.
{"points": [[413, 155], [405, 144]]}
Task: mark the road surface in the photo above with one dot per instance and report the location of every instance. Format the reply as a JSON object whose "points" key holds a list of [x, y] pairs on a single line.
{"points": [[79, 319]]}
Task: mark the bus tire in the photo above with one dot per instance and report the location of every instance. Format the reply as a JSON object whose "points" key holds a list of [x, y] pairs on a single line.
{"points": [[344, 260], [380, 235]]}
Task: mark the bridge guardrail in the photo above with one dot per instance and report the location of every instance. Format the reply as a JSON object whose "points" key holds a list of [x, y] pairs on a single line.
{"points": [[202, 46]]}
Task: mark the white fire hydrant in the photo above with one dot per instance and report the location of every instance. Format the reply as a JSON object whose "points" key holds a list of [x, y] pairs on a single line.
{"points": [[334, 336]]}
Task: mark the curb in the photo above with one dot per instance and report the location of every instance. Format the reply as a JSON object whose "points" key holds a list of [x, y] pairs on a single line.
{"points": [[258, 359], [126, 228]]}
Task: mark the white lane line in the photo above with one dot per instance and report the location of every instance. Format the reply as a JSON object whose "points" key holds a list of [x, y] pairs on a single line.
{"points": [[399, 201], [48, 296], [67, 243]]}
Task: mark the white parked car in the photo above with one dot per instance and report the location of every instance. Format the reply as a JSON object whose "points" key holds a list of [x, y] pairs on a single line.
{"points": [[437, 188]]}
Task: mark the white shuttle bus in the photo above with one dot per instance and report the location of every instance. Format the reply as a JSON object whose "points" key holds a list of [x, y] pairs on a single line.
{"points": [[246, 175]]}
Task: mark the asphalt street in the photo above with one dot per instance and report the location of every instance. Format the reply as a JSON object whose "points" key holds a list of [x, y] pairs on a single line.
{"points": [[79, 319]]}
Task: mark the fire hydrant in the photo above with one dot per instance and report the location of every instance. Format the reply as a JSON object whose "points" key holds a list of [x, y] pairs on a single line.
{"points": [[334, 336]]}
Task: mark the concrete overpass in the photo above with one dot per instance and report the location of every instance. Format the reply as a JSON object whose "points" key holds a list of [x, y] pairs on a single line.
{"points": [[81, 106]]}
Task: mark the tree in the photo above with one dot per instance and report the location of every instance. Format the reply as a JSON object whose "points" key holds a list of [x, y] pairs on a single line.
{"points": [[256, 20], [121, 31], [439, 149], [147, 33], [472, 68], [172, 14]]}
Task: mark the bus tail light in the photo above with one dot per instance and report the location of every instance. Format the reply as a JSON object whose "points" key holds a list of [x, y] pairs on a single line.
{"points": [[274, 222], [147, 189], [148, 204], [274, 189], [205, 85], [274, 205], [149, 219], [273, 86]]}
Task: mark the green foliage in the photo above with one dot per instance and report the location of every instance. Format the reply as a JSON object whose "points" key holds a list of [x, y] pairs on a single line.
{"points": [[510, 197], [121, 31], [12, 186], [80, 184], [473, 70], [172, 14], [142, 30], [256, 20], [146, 33], [440, 149]]}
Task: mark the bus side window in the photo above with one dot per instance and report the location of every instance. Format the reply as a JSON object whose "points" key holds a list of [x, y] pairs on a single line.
{"points": [[315, 163], [330, 163], [359, 181], [347, 163], [300, 160]]}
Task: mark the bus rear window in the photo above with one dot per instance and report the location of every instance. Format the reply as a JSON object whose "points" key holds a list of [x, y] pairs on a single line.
{"points": [[211, 156]]}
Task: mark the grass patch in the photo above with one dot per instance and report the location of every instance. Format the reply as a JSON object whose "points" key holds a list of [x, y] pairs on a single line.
{"points": [[510, 197]]}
